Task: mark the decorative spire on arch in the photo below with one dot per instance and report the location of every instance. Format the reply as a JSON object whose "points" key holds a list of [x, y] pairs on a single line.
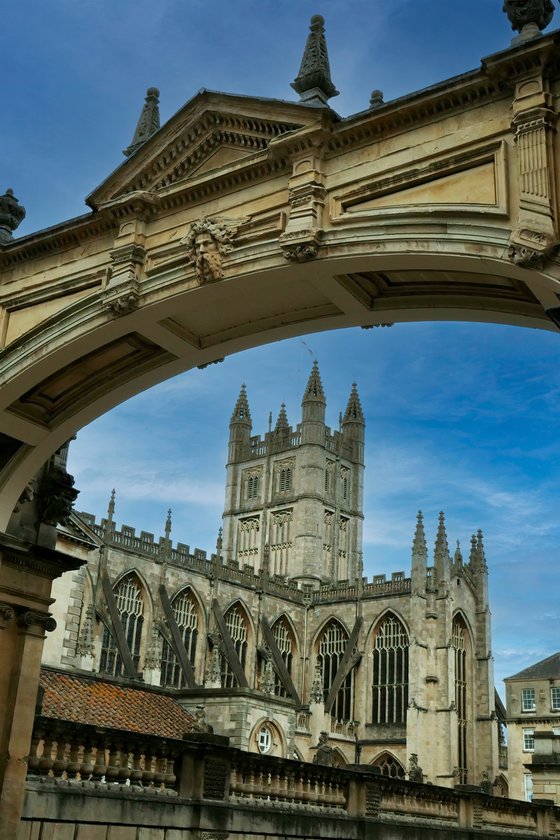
{"points": [[148, 122], [313, 82]]}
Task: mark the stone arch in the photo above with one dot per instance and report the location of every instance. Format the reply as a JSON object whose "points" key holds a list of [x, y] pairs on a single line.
{"points": [[289, 652], [389, 765], [382, 615], [329, 647], [389, 645], [130, 594], [240, 626], [463, 671]]}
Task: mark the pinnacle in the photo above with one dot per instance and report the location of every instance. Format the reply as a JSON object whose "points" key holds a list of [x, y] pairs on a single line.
{"points": [[148, 122], [241, 411], [419, 546], [441, 552], [354, 411], [313, 82], [458, 557], [111, 507], [168, 525], [314, 389], [282, 424]]}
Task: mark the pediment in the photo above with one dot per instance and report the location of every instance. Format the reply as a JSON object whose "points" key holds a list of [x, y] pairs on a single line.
{"points": [[210, 133]]}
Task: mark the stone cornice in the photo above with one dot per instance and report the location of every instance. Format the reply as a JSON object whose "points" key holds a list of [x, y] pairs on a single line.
{"points": [[45, 562]]}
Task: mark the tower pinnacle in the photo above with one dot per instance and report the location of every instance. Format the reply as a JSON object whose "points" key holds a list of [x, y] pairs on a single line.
{"points": [[354, 411], [241, 413], [148, 122], [282, 425], [314, 390], [419, 547], [313, 82]]}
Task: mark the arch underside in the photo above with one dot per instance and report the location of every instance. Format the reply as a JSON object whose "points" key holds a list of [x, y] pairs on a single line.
{"points": [[82, 361]]}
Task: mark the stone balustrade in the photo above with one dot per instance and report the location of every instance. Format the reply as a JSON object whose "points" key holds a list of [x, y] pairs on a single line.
{"points": [[70, 762], [91, 756]]}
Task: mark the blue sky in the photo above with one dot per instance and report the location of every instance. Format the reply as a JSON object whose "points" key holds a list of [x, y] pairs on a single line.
{"points": [[461, 417]]}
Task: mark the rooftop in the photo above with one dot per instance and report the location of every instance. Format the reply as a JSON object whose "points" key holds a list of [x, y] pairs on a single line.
{"points": [[545, 669]]}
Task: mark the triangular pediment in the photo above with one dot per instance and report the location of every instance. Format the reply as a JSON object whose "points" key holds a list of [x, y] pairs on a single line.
{"points": [[212, 132]]}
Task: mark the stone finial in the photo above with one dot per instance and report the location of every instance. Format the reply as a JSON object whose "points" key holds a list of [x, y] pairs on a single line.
{"points": [[268, 680], [111, 507], [479, 555], [282, 425], [219, 542], [419, 546], [441, 551], [354, 413], [168, 525], [241, 412], [85, 646], [148, 122], [11, 215], [376, 99], [313, 82], [528, 17], [314, 390], [317, 693], [458, 557]]}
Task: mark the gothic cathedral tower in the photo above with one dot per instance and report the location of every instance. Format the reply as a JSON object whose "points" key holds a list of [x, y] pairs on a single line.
{"points": [[294, 497]]}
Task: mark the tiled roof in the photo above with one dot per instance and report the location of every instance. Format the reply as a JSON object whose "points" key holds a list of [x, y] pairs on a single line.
{"points": [[546, 669], [98, 703]]}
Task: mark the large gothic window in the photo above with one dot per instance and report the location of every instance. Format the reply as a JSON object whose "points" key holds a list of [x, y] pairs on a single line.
{"points": [[330, 650], [459, 641], [390, 672], [283, 637], [130, 606], [186, 615], [236, 623]]}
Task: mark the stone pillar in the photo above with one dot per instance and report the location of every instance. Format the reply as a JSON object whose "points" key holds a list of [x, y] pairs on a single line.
{"points": [[27, 572]]}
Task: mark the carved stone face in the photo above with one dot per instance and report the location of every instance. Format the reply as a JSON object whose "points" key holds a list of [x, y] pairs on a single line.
{"points": [[208, 257], [522, 12]]}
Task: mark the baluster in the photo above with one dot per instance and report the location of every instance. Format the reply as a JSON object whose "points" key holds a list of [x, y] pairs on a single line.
{"points": [[314, 790], [170, 777], [148, 774], [159, 776], [73, 764], [125, 765], [275, 785], [298, 786], [59, 763], [33, 758], [46, 761], [86, 767], [113, 765], [251, 784], [136, 773], [100, 765]]}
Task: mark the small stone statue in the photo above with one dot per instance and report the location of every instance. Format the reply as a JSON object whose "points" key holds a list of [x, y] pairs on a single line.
{"points": [[324, 753], [317, 694], [201, 724], [528, 17], [486, 784], [415, 773]]}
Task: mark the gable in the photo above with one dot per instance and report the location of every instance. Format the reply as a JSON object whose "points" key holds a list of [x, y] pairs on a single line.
{"points": [[210, 133]]}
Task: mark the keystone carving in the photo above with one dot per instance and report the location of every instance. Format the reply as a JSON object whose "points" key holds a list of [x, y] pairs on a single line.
{"points": [[208, 242]]}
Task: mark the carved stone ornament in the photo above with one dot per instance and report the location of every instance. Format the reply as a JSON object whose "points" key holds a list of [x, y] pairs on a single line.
{"points": [[317, 694], [524, 12], [415, 773], [301, 253], [7, 614], [11, 215], [530, 248], [57, 496], [123, 299], [44, 620], [208, 242]]}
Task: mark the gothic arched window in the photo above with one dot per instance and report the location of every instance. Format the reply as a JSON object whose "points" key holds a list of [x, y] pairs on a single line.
{"points": [[285, 479], [459, 642], [330, 650], [389, 766], [130, 606], [185, 610], [236, 623], [284, 638], [390, 672]]}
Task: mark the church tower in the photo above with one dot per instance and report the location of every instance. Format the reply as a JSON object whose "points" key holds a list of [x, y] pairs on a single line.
{"points": [[295, 496]]}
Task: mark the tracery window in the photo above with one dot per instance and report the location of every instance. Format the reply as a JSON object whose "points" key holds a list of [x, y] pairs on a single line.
{"points": [[185, 611], [284, 639], [237, 626], [253, 482], [248, 531], [330, 650], [389, 766], [460, 645], [130, 606], [345, 481], [390, 672], [285, 479], [280, 541]]}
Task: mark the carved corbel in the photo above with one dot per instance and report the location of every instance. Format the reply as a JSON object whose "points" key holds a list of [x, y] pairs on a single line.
{"points": [[534, 239], [122, 294], [301, 240]]}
